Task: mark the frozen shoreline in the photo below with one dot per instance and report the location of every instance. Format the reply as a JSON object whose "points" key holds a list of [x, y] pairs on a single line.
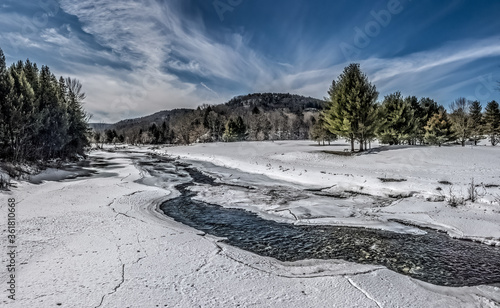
{"points": [[422, 170], [100, 242]]}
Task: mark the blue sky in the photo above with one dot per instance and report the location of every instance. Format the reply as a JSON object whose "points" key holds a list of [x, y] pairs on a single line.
{"points": [[136, 57]]}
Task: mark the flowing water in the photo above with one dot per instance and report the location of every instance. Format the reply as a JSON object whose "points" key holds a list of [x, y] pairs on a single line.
{"points": [[433, 257]]}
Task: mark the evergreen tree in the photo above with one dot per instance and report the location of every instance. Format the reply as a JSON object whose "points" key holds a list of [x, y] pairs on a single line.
{"points": [[425, 110], [476, 119], [155, 133], [351, 112], [21, 123], [321, 133], [400, 122], [416, 133], [438, 129], [5, 88], [39, 115], [230, 131], [492, 122], [235, 130], [77, 130], [241, 129]]}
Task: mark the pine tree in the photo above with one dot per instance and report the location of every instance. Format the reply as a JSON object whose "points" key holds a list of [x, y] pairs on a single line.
{"points": [[400, 122], [351, 110], [476, 119], [54, 123], [438, 129], [77, 131], [22, 114], [5, 88], [492, 122], [417, 110]]}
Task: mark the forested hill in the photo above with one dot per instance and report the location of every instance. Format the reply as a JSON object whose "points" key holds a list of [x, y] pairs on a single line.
{"points": [[272, 101], [258, 116]]}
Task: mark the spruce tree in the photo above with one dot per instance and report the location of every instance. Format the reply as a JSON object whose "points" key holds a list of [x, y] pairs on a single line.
{"points": [[351, 112], [492, 122]]}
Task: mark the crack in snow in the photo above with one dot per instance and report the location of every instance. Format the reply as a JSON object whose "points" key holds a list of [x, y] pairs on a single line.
{"points": [[290, 211], [125, 177], [207, 260], [142, 250], [116, 287], [363, 291]]}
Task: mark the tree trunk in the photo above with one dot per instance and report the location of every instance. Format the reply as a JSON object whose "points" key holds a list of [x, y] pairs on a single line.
{"points": [[361, 146], [352, 144]]}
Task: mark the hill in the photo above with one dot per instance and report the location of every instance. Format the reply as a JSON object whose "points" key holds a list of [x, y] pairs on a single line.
{"points": [[258, 116]]}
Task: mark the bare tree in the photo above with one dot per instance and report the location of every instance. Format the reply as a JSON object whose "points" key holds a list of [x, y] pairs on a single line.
{"points": [[460, 117]]}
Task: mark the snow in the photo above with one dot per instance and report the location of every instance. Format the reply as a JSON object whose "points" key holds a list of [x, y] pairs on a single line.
{"points": [[101, 241], [370, 202]]}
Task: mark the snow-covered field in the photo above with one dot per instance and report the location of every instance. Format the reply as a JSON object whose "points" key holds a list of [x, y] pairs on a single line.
{"points": [[101, 241]]}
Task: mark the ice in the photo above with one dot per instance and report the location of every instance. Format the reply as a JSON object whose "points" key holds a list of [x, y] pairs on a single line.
{"points": [[101, 241]]}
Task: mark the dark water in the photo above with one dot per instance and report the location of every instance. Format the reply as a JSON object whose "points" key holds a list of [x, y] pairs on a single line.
{"points": [[433, 257]]}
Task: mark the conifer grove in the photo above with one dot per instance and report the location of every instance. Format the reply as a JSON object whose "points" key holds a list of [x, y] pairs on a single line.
{"points": [[41, 117]]}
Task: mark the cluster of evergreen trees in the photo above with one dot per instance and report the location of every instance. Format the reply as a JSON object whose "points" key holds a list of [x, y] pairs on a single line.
{"points": [[41, 117], [353, 113]]}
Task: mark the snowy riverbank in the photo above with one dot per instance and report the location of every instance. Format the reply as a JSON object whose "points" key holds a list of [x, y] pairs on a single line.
{"points": [[100, 242], [399, 183]]}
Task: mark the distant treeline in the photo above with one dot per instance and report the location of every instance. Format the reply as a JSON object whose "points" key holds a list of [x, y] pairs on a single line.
{"points": [[41, 117], [259, 116], [353, 113]]}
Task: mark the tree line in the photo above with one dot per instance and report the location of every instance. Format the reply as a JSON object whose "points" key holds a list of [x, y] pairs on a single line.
{"points": [[41, 117], [253, 117], [352, 112]]}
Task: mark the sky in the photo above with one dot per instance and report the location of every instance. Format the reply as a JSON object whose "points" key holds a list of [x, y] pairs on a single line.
{"points": [[136, 57]]}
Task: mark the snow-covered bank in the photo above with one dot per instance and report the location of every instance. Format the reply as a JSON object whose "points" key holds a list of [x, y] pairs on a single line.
{"points": [[399, 183], [100, 242]]}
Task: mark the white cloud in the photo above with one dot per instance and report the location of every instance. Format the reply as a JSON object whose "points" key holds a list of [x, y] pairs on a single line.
{"points": [[149, 36], [452, 55]]}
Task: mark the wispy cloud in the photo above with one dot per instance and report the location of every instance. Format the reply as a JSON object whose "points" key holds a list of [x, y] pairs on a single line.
{"points": [[156, 41], [455, 54]]}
